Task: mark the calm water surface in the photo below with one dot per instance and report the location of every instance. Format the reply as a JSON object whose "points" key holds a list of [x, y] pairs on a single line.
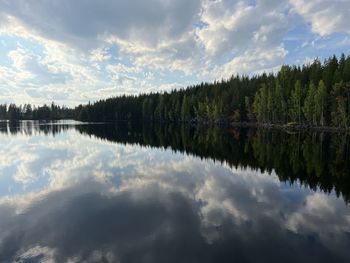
{"points": [[120, 193]]}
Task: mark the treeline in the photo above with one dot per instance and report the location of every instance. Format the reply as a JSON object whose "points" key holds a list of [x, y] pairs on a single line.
{"points": [[29, 112], [316, 94]]}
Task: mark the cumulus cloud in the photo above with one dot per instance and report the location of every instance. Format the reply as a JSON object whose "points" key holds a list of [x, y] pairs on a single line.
{"points": [[325, 17], [99, 55], [18, 73], [76, 51], [255, 61], [78, 21], [20, 57], [232, 26]]}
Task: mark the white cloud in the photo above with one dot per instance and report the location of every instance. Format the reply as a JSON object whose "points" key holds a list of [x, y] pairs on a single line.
{"points": [[19, 73], [234, 26], [183, 54], [45, 253], [120, 68], [241, 37], [99, 55], [255, 61], [325, 16], [60, 72], [75, 51], [10, 77], [20, 57]]}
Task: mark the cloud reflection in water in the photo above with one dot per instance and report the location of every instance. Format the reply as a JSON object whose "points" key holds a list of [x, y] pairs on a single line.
{"points": [[71, 198]]}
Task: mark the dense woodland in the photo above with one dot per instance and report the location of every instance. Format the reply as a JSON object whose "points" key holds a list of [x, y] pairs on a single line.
{"points": [[316, 94]]}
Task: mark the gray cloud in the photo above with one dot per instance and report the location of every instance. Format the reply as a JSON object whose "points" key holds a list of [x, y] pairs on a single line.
{"points": [[83, 22]]}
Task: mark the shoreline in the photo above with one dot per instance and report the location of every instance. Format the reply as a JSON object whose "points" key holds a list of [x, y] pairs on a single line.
{"points": [[288, 127], [251, 125]]}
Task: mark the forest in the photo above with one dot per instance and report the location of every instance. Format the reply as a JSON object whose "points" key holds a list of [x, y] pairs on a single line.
{"points": [[315, 94]]}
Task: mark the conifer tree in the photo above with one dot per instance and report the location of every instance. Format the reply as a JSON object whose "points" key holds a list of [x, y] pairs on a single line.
{"points": [[296, 103]]}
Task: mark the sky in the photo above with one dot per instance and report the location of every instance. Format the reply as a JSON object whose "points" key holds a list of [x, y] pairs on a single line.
{"points": [[72, 52]]}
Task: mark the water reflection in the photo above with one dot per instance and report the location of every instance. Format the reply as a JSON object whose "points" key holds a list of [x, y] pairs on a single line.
{"points": [[77, 198]]}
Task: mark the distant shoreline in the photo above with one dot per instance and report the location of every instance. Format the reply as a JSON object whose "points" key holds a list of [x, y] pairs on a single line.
{"points": [[254, 125]]}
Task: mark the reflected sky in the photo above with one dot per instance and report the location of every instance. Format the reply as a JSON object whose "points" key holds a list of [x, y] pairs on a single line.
{"points": [[70, 197]]}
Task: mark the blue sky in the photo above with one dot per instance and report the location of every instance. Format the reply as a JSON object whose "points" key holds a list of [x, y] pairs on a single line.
{"points": [[73, 52]]}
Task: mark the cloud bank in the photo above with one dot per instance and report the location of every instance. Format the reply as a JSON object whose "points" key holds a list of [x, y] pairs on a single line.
{"points": [[75, 51]]}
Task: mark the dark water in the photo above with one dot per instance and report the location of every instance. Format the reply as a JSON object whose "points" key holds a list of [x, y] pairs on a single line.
{"points": [[131, 193]]}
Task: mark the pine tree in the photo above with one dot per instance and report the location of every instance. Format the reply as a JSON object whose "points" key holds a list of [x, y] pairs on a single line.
{"points": [[320, 102], [339, 117], [295, 103], [309, 104], [260, 104], [346, 70], [185, 109], [280, 108]]}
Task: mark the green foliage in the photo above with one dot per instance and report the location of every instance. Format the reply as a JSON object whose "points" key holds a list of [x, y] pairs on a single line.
{"points": [[280, 109], [320, 101], [296, 103], [260, 104], [309, 105], [339, 117], [185, 109]]}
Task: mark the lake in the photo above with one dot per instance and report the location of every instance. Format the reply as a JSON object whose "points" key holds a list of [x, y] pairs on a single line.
{"points": [[75, 192]]}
